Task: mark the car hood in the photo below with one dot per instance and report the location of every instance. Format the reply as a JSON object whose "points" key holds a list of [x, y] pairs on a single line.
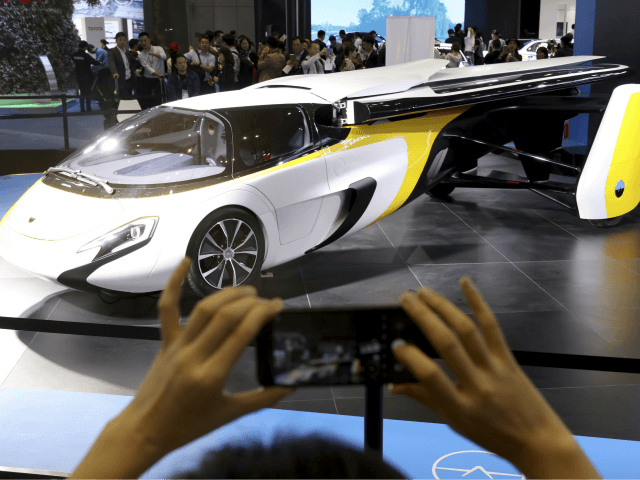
{"points": [[46, 213]]}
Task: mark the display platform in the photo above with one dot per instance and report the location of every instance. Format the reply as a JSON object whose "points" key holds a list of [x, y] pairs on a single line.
{"points": [[419, 449], [556, 283]]}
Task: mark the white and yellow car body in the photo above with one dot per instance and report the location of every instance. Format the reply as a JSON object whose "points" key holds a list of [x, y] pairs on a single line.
{"points": [[244, 181]]}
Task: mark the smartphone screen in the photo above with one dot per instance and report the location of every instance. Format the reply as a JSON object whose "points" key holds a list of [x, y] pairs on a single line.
{"points": [[335, 347]]}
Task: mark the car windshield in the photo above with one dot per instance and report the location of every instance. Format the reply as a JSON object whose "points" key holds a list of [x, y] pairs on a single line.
{"points": [[161, 145]]}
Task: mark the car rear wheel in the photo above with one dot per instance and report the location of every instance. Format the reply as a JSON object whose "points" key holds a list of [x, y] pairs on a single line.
{"points": [[226, 250], [606, 222], [442, 190]]}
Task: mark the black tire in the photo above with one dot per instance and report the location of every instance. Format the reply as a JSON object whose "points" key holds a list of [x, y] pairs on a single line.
{"points": [[442, 190], [606, 222], [228, 267]]}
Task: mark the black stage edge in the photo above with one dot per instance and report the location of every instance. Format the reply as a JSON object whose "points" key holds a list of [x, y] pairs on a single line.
{"points": [[13, 162], [532, 359]]}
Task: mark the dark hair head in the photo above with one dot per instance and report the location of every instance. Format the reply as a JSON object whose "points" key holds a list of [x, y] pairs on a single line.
{"points": [[229, 39], [232, 32], [373, 33], [368, 39], [103, 41], [544, 51], [332, 37], [348, 49], [565, 40], [496, 44], [82, 45], [133, 42], [451, 31], [217, 33], [272, 42], [458, 26], [495, 32], [120, 34], [281, 46], [342, 32], [321, 33], [228, 56], [350, 36], [90, 47], [206, 37], [296, 38], [513, 39], [573, 26], [143, 34], [456, 47], [313, 456]]}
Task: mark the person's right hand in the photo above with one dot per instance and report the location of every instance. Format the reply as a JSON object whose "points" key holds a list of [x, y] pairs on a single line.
{"points": [[115, 75], [493, 403]]}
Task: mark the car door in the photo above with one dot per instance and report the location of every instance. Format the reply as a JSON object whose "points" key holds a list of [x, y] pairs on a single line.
{"points": [[275, 152]]}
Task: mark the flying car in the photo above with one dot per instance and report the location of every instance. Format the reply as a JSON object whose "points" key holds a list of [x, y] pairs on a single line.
{"points": [[243, 181]]}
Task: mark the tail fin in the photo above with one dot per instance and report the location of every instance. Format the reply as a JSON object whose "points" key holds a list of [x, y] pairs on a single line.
{"points": [[609, 185]]}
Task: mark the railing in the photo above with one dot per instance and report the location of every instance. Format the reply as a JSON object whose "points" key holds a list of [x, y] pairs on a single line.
{"points": [[112, 111]]}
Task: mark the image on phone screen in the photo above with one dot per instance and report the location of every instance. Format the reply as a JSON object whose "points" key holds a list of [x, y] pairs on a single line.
{"points": [[306, 348]]}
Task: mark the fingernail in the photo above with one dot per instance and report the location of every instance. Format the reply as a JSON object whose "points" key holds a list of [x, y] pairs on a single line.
{"points": [[426, 291], [397, 342]]}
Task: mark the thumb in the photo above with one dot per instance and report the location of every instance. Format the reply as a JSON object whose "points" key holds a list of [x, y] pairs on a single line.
{"points": [[260, 398]]}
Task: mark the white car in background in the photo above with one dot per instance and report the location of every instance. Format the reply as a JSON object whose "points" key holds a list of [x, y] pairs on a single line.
{"points": [[528, 51]]}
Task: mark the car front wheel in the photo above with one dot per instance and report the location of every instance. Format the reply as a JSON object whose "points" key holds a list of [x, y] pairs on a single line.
{"points": [[226, 250]]}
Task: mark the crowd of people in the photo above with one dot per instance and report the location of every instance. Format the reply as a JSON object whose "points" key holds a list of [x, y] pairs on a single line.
{"points": [[470, 42], [220, 63], [492, 402]]}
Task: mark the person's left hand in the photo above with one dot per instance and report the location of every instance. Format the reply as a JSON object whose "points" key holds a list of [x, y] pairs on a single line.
{"points": [[182, 396]]}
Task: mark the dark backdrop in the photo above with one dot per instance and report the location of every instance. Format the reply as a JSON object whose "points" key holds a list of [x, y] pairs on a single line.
{"points": [[488, 15]]}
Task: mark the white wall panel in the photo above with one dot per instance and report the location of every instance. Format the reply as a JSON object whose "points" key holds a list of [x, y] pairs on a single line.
{"points": [[409, 39]]}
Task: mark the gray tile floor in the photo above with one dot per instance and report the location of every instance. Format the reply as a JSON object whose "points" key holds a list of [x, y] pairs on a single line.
{"points": [[556, 283]]}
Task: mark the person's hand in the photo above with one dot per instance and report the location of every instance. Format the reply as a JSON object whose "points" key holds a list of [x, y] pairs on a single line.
{"points": [[323, 51], [492, 403], [159, 75], [182, 396], [115, 75], [194, 63], [215, 79], [190, 48]]}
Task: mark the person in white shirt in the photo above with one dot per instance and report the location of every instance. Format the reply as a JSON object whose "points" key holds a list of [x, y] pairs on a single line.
{"points": [[152, 60], [203, 62], [470, 45], [313, 64], [358, 42]]}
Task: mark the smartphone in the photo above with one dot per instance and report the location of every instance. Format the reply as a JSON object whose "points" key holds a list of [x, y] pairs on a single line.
{"points": [[301, 348]]}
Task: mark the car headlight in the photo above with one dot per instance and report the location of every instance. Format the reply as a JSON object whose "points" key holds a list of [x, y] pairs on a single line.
{"points": [[123, 237]]}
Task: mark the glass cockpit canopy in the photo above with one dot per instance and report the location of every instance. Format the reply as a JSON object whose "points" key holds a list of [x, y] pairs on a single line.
{"points": [[160, 145]]}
